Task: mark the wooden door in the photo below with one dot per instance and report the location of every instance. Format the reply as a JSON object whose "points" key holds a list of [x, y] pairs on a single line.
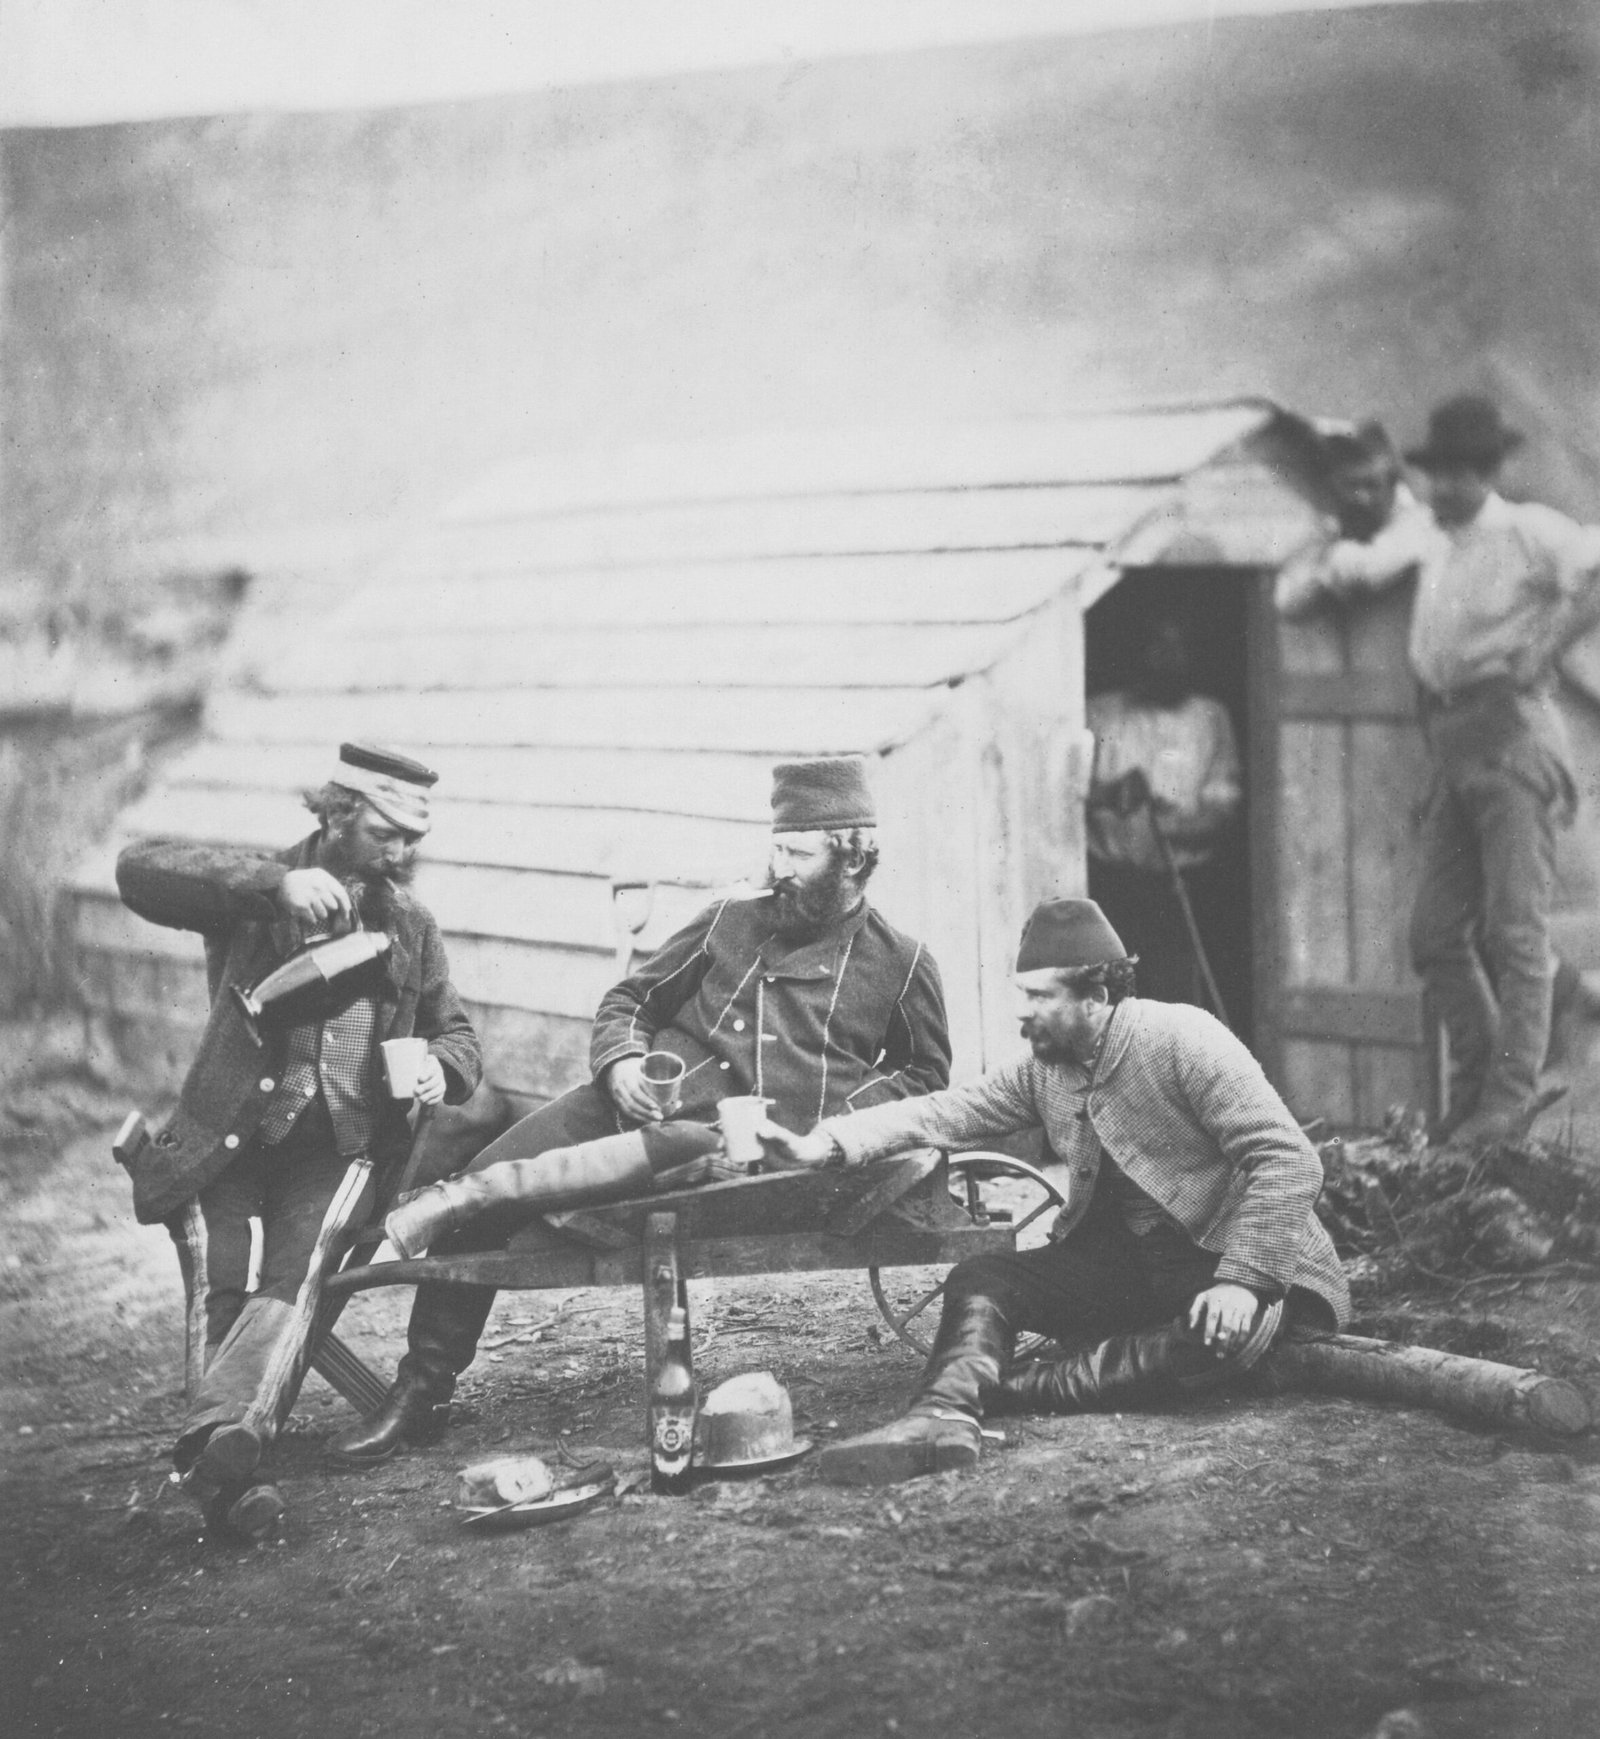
{"points": [[1340, 772]]}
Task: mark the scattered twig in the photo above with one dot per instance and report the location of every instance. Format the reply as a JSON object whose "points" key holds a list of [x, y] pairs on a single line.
{"points": [[1556, 1271], [532, 1332]]}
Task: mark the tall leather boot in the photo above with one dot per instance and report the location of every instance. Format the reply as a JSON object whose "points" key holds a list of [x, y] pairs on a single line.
{"points": [[939, 1430], [605, 1170], [446, 1322], [1150, 1364], [565, 1177]]}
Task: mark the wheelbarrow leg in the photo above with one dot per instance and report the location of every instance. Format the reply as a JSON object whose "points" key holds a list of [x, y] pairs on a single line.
{"points": [[662, 1290]]}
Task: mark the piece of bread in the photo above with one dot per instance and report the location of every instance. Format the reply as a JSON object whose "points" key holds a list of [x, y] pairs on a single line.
{"points": [[506, 1480]]}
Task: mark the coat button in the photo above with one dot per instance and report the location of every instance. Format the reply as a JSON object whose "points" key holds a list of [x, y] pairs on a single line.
{"points": [[769, 978], [266, 1083], [738, 1026], [724, 1065], [230, 1141]]}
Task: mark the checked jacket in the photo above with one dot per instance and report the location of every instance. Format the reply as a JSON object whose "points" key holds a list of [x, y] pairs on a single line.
{"points": [[1183, 1108]]}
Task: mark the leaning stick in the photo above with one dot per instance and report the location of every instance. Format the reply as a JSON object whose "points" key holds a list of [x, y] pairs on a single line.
{"points": [[1475, 1390]]}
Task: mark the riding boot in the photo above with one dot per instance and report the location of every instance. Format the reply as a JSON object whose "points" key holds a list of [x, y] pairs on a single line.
{"points": [[1148, 1365], [605, 1170], [446, 1322], [939, 1430], [565, 1177]]}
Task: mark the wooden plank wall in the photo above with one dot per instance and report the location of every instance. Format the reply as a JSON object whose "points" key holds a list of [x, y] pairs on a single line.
{"points": [[1351, 780]]}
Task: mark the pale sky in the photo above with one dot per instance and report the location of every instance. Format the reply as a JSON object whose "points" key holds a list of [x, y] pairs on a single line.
{"points": [[77, 62]]}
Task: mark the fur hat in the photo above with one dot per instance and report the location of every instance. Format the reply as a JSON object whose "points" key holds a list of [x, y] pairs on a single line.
{"points": [[395, 785], [1465, 431], [815, 796], [1068, 935]]}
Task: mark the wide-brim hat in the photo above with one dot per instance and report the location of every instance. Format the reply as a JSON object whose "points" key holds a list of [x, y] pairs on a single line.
{"points": [[747, 1423], [394, 784], [822, 796], [1068, 935], [1465, 431]]}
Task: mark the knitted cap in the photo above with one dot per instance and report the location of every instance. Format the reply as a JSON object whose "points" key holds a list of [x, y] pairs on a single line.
{"points": [[1068, 934], [809, 796], [395, 785]]}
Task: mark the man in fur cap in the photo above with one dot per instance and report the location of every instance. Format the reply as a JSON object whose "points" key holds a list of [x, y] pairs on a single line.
{"points": [[808, 997], [287, 1123], [1188, 1234]]}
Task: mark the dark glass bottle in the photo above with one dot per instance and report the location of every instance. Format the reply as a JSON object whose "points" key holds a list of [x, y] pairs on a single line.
{"points": [[672, 1412]]}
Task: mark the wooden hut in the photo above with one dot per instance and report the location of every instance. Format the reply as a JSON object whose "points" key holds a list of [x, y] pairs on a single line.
{"points": [[605, 654]]}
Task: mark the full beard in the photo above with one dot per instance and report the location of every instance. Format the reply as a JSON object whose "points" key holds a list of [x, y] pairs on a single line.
{"points": [[1047, 1049], [374, 892], [801, 915]]}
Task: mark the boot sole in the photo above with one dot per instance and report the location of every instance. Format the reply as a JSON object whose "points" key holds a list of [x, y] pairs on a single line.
{"points": [[254, 1515], [231, 1455], [424, 1437], [343, 1458], [888, 1463]]}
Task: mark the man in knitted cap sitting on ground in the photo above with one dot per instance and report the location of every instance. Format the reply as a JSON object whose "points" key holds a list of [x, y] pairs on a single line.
{"points": [[287, 1122], [1188, 1234], [807, 997]]}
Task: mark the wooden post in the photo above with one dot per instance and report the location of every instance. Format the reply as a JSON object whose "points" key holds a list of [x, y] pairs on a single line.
{"points": [[661, 1292]]}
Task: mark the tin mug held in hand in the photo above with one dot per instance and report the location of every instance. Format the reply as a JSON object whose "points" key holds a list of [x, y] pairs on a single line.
{"points": [[739, 1119], [662, 1076], [403, 1061]]}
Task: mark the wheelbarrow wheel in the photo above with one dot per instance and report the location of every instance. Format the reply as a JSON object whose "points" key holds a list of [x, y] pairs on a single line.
{"points": [[995, 1189]]}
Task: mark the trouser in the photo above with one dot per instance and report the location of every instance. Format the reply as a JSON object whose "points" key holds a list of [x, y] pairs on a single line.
{"points": [[1480, 926], [1098, 1281], [257, 1345], [447, 1318]]}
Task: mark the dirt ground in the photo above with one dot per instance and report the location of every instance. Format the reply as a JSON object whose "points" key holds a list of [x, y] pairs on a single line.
{"points": [[1288, 1567]]}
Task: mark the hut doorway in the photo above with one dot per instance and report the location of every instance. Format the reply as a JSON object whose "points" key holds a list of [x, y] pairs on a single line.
{"points": [[1208, 612]]}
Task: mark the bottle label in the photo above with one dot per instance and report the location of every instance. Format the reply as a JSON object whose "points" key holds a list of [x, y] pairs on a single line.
{"points": [[672, 1435]]}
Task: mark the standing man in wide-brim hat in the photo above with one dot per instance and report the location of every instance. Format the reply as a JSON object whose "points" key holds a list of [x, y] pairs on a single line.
{"points": [[805, 995], [1188, 1238], [1503, 588], [288, 1124]]}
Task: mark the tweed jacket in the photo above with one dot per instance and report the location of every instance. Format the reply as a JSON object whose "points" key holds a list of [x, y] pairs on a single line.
{"points": [[230, 898], [1183, 1108], [854, 1018]]}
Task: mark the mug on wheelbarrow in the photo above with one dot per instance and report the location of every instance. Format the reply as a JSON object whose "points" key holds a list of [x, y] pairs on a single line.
{"points": [[739, 1119]]}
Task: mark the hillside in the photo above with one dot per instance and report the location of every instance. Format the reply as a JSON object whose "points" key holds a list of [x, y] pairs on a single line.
{"points": [[260, 328]]}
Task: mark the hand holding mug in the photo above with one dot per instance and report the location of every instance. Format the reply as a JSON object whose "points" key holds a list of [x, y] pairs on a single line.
{"points": [[625, 1084], [430, 1082]]}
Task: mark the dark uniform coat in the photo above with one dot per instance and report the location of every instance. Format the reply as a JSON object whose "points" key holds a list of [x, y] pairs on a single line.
{"points": [[230, 897], [854, 1019]]}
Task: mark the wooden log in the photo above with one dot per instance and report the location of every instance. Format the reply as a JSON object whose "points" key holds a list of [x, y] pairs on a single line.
{"points": [[1476, 1390]]}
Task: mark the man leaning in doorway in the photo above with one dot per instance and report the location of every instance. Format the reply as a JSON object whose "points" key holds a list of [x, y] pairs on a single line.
{"points": [[1503, 589], [808, 997]]}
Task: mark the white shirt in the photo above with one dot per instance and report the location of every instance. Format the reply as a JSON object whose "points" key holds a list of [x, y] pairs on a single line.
{"points": [[1485, 590], [1190, 757]]}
